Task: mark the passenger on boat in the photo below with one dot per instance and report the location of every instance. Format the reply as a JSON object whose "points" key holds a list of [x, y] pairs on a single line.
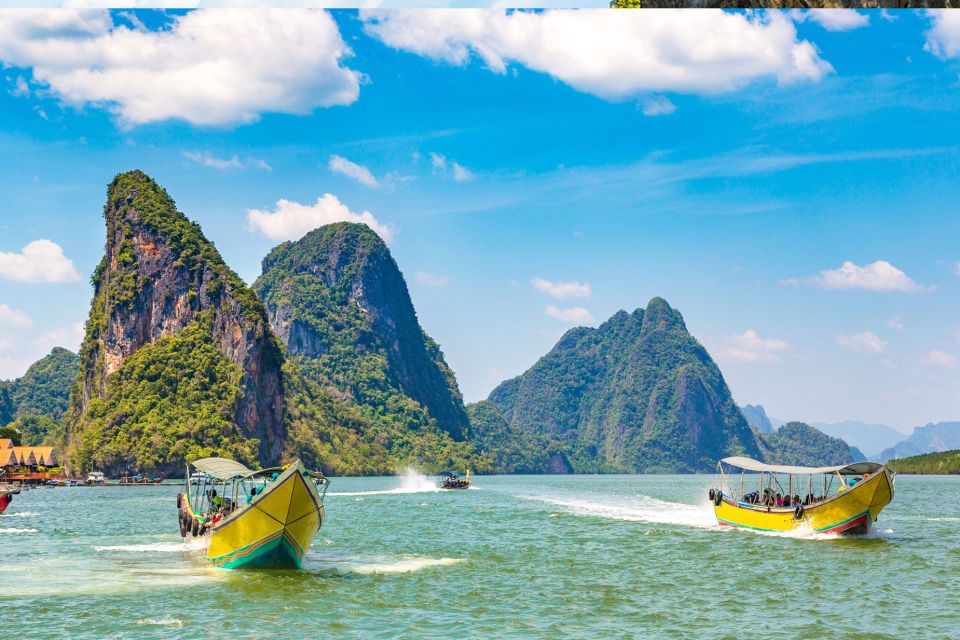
{"points": [[216, 501]]}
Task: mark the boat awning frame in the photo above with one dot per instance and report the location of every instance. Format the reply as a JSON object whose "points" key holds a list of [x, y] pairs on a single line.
{"points": [[852, 469], [222, 468]]}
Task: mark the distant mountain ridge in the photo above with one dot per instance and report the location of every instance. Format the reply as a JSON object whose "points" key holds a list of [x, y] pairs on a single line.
{"points": [[930, 438], [872, 439], [636, 394]]}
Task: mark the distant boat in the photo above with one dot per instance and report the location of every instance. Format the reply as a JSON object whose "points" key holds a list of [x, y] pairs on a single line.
{"points": [[198, 478], [455, 480], [770, 497], [263, 518], [95, 477]]}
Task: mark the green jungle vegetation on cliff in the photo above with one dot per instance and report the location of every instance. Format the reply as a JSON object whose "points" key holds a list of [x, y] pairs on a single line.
{"points": [[171, 401], [938, 463], [338, 301], [176, 395], [637, 394], [35, 403], [512, 450], [796, 443]]}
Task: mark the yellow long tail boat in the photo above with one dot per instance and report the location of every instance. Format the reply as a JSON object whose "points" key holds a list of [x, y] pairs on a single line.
{"points": [[770, 497], [263, 518]]}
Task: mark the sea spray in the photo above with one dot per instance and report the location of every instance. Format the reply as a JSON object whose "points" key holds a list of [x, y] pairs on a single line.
{"points": [[411, 481]]}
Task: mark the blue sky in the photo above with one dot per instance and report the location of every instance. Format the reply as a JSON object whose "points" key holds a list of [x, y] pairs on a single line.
{"points": [[787, 181]]}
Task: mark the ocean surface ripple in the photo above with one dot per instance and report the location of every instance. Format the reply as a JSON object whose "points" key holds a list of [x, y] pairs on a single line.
{"points": [[523, 557]]}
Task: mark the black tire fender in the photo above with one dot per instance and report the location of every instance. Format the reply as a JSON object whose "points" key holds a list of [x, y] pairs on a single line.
{"points": [[179, 500], [717, 498], [195, 527], [798, 512], [710, 494]]}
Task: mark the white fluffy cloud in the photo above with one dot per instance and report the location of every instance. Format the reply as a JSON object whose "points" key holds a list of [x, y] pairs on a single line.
{"points": [[561, 290], [207, 159], [10, 317], [943, 39], [834, 19], [430, 279], [749, 347], [880, 276], [441, 164], [358, 172], [291, 220], [938, 359], [612, 54], [571, 315], [39, 261], [867, 342], [208, 67]]}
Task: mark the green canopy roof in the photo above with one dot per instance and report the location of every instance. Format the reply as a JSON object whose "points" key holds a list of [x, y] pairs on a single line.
{"points": [[222, 468]]}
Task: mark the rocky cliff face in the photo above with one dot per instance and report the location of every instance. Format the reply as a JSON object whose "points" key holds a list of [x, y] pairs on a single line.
{"points": [[338, 301], [159, 277], [757, 417], [637, 394]]}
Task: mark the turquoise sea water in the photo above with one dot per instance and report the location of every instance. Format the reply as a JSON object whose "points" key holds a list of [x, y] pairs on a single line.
{"points": [[517, 557]]}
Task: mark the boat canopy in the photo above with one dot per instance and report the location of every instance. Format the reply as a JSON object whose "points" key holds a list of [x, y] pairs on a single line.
{"points": [[853, 469], [222, 468]]}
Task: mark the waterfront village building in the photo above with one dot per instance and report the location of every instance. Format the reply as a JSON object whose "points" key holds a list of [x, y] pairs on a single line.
{"points": [[12, 458]]}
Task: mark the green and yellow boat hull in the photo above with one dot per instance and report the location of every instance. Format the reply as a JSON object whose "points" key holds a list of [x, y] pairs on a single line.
{"points": [[853, 510], [274, 530]]}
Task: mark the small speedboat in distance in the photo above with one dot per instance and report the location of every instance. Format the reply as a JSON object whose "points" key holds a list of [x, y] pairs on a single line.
{"points": [[265, 518], [96, 477], [771, 497], [455, 480]]}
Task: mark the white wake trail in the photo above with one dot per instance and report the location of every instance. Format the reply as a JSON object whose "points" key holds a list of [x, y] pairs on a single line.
{"points": [[639, 509], [411, 481], [382, 565]]}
